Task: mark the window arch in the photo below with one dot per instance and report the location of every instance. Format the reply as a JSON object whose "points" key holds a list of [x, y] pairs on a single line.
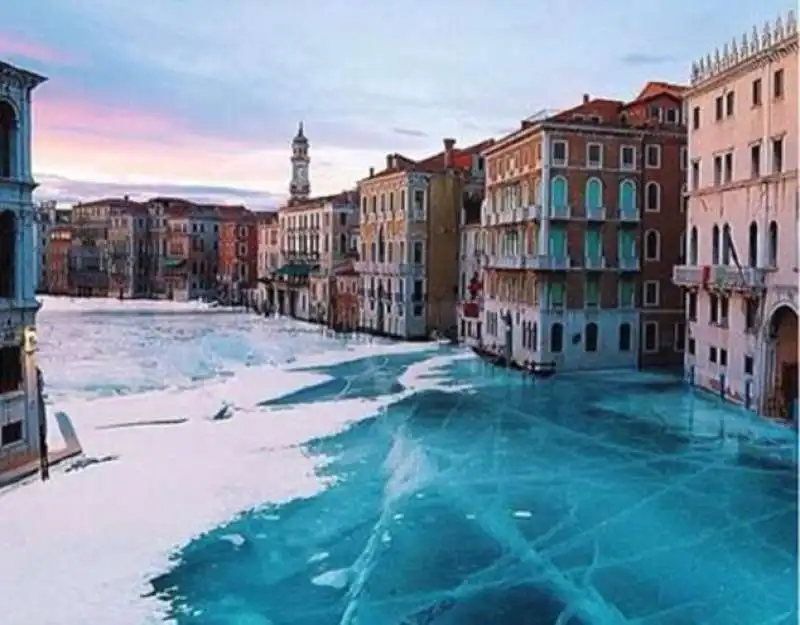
{"points": [[534, 336], [8, 236], [591, 337], [652, 194], [558, 192], [593, 196], [726, 243], [556, 338], [652, 245], [627, 196], [682, 249], [8, 130], [625, 337], [752, 245], [772, 244], [715, 245], [693, 246]]}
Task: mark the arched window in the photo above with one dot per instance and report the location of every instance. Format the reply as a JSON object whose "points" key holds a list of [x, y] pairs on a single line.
{"points": [[652, 196], [556, 338], [593, 196], [381, 245], [8, 129], [627, 196], [772, 244], [652, 245], [591, 337], [625, 337], [558, 192], [752, 245], [8, 235], [534, 336], [343, 243], [693, 246], [726, 244], [682, 249], [715, 245]]}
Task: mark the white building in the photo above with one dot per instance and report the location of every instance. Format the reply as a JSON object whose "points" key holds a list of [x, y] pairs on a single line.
{"points": [[470, 285], [19, 432]]}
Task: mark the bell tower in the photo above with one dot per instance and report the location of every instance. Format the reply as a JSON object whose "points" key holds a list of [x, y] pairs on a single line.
{"points": [[300, 188]]}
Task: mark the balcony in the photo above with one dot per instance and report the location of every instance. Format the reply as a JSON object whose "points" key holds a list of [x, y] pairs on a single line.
{"points": [[517, 215], [629, 215], [725, 278], [628, 263], [559, 213], [687, 276], [409, 269], [506, 261], [549, 262], [597, 213], [594, 262]]}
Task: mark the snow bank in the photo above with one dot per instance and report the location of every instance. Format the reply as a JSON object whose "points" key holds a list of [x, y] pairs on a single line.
{"points": [[88, 541]]}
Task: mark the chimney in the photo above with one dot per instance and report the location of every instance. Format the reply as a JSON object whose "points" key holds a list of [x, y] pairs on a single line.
{"points": [[126, 198], [449, 144], [371, 172], [586, 98]]}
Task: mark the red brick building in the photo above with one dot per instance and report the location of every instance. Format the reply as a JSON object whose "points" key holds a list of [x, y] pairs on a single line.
{"points": [[57, 257], [584, 221], [238, 249], [344, 293]]}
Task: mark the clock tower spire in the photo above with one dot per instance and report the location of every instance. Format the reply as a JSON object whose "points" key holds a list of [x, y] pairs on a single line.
{"points": [[300, 188]]}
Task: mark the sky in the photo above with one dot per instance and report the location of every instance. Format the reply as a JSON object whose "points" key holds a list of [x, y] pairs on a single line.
{"points": [[201, 98]]}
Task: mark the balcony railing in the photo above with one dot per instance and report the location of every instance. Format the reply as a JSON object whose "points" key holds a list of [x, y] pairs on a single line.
{"points": [[628, 263], [506, 261], [629, 215], [549, 262], [594, 262], [598, 213], [735, 279], [689, 276], [560, 212]]}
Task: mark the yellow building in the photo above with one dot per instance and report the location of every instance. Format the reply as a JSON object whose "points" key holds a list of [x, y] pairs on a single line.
{"points": [[409, 240]]}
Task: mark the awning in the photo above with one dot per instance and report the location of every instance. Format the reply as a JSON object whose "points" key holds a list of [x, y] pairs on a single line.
{"points": [[296, 270], [171, 263]]}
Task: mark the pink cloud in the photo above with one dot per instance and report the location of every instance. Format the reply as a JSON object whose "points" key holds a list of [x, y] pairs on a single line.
{"points": [[95, 118], [14, 46]]}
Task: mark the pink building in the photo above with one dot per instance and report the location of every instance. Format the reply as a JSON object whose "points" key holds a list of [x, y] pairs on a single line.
{"points": [[741, 251]]}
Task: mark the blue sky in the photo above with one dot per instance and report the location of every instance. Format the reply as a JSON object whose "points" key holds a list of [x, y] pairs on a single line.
{"points": [[208, 92]]}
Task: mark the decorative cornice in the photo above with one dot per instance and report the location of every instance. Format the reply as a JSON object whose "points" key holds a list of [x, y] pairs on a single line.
{"points": [[772, 38]]}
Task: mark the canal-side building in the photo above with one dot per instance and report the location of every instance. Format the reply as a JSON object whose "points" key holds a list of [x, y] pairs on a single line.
{"points": [[269, 259], [583, 217], [19, 398], [57, 253], [316, 243], [741, 260], [409, 236], [470, 285], [238, 252]]}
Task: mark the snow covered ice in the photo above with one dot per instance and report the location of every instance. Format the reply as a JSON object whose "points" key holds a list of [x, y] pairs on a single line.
{"points": [[364, 483]]}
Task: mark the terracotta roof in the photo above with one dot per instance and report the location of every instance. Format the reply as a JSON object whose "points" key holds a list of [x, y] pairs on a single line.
{"points": [[462, 159]]}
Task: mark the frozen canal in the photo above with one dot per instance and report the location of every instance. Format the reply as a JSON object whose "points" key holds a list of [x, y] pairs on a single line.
{"points": [[369, 484]]}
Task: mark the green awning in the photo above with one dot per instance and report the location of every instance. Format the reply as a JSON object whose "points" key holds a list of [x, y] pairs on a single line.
{"points": [[296, 270], [171, 263]]}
